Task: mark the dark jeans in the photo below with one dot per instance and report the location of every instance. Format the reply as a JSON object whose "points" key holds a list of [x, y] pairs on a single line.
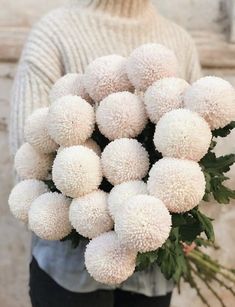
{"points": [[45, 292]]}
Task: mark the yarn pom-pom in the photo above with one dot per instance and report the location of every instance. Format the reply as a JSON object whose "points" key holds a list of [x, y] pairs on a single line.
{"points": [[180, 184], [121, 115], [106, 75], [149, 63], [36, 132], [71, 121], [69, 84], [22, 196], [89, 214], [214, 99], [163, 96], [182, 134], [124, 160], [122, 192], [31, 164], [107, 261], [143, 224], [77, 171], [49, 216]]}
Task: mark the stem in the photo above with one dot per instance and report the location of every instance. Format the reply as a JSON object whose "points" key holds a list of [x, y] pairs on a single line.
{"points": [[213, 262], [208, 285], [213, 267], [194, 285], [220, 282]]}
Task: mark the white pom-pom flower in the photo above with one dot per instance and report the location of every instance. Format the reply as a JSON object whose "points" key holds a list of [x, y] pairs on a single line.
{"points": [[163, 96], [36, 132], [124, 160], [31, 164], [91, 144], [143, 224], [71, 121], [77, 171], [49, 216], [69, 84], [149, 63], [107, 261], [106, 75], [214, 99], [22, 196], [180, 184], [121, 115], [122, 192], [182, 134], [89, 214]]}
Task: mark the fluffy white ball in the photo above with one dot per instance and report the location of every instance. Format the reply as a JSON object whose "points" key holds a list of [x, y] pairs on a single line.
{"points": [[49, 216], [71, 120], [214, 99], [31, 164], [182, 134], [77, 171], [22, 196], [90, 143], [106, 75], [163, 96], [143, 224], [89, 214], [107, 261], [36, 132], [124, 160], [69, 84], [149, 63], [180, 184], [121, 115], [122, 192]]}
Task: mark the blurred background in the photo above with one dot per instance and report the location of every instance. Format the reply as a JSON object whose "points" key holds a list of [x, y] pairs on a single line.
{"points": [[212, 25]]}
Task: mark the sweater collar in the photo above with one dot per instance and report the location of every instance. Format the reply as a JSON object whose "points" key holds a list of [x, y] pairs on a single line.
{"points": [[131, 9]]}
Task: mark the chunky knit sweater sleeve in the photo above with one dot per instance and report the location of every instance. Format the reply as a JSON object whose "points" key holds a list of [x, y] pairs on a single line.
{"points": [[193, 69], [38, 69]]}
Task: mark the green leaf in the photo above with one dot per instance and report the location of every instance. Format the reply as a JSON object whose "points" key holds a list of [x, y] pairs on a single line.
{"points": [[223, 132], [166, 261], [223, 194], [189, 232], [219, 165], [145, 260], [188, 226], [172, 260], [178, 220], [214, 169], [206, 224]]}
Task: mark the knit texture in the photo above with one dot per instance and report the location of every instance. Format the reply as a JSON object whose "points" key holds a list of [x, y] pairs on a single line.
{"points": [[69, 38], [66, 41]]}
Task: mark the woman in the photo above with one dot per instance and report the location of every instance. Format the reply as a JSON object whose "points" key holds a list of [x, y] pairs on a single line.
{"points": [[65, 41]]}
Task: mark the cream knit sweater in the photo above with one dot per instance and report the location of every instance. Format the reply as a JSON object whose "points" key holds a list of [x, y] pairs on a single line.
{"points": [[65, 41]]}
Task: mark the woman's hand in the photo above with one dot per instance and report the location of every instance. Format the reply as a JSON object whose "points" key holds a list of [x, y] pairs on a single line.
{"points": [[188, 248]]}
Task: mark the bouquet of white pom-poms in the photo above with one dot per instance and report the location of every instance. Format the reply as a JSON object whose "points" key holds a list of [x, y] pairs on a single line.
{"points": [[122, 157]]}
